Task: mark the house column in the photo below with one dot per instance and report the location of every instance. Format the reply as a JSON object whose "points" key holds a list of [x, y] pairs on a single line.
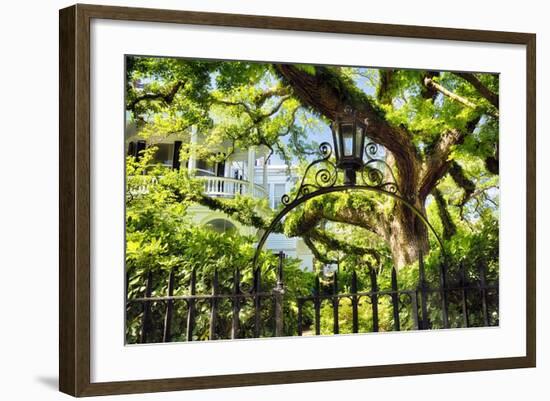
{"points": [[192, 163], [264, 178], [251, 162]]}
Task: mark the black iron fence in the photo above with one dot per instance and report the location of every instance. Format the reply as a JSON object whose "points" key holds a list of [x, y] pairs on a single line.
{"points": [[256, 311]]}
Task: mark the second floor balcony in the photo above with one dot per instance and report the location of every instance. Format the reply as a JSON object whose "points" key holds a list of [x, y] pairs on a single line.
{"points": [[243, 173], [225, 187]]}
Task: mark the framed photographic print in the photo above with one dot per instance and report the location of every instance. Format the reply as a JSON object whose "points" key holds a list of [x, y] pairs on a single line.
{"points": [[250, 200]]}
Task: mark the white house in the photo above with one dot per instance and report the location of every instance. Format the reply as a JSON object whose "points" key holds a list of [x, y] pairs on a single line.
{"points": [[242, 172]]}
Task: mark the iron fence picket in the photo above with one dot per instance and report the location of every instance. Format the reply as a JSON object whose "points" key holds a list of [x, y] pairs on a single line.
{"points": [[191, 306], [335, 304], [374, 298], [317, 306], [278, 293], [257, 302], [444, 294], [464, 295], [395, 299], [300, 305], [354, 303], [213, 306], [146, 317], [483, 292], [423, 287], [167, 334], [235, 305], [414, 308]]}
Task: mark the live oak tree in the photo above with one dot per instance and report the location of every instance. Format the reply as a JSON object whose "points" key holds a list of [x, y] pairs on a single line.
{"points": [[439, 131]]}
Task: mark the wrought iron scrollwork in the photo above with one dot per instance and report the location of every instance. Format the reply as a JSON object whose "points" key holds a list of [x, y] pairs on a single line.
{"points": [[325, 177], [375, 173]]}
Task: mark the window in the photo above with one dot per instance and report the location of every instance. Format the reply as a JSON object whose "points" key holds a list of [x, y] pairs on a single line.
{"points": [[205, 167], [278, 192], [222, 226], [164, 154]]}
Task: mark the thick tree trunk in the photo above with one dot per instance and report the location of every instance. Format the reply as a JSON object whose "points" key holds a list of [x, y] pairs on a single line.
{"points": [[406, 235]]}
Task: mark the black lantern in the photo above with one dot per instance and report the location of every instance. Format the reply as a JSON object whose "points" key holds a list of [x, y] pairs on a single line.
{"points": [[348, 134]]}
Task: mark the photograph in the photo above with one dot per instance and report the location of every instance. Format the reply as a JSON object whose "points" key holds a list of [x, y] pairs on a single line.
{"points": [[267, 199], [253, 199]]}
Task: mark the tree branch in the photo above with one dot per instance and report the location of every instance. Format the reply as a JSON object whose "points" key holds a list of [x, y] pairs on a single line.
{"points": [[366, 217], [449, 227], [234, 103], [492, 163], [315, 251], [429, 92], [492, 97], [243, 215], [430, 83], [332, 242], [249, 218], [437, 162], [458, 176], [276, 91], [384, 88], [274, 110], [167, 97], [312, 216]]}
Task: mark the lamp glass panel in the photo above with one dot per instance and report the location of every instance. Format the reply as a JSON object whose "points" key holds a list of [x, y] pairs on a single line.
{"points": [[346, 133]]}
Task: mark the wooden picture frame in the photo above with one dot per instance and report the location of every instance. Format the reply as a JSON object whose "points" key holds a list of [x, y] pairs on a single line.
{"points": [[74, 202]]}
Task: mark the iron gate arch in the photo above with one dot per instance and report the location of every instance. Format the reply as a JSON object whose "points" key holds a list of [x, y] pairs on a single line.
{"points": [[325, 182]]}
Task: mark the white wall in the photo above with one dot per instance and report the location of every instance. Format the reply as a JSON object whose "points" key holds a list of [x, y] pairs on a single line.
{"points": [[28, 201]]}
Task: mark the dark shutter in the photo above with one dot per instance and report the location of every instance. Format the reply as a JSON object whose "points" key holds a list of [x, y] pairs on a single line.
{"points": [[176, 157], [132, 149], [220, 169], [139, 148]]}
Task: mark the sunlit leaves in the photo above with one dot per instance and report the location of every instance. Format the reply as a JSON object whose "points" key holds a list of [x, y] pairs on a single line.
{"points": [[235, 105]]}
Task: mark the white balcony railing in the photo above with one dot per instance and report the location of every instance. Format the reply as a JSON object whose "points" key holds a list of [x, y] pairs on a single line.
{"points": [[222, 187], [229, 187]]}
